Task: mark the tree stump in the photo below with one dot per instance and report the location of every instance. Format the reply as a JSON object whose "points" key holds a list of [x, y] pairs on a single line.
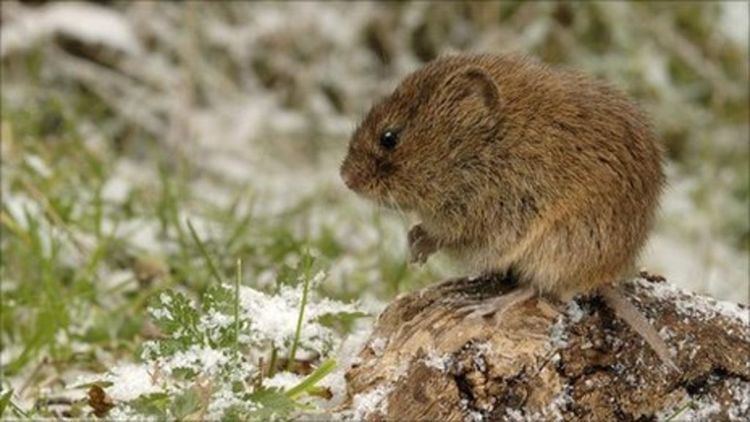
{"points": [[426, 360]]}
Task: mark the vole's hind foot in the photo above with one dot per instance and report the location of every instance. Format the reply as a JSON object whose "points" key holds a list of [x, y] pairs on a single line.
{"points": [[421, 245], [497, 306]]}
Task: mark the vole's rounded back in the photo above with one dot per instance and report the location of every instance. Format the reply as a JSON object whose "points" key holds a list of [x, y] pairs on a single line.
{"points": [[514, 165]]}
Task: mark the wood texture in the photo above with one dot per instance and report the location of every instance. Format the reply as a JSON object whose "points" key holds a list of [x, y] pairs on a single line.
{"points": [[426, 360]]}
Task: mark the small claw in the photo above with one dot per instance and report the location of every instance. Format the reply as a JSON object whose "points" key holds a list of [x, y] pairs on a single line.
{"points": [[476, 310], [415, 257], [499, 305], [483, 310], [421, 246]]}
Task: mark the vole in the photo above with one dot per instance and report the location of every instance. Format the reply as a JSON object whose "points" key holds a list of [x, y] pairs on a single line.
{"points": [[516, 167]]}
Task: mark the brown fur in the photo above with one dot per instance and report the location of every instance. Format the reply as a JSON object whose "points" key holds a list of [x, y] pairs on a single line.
{"points": [[511, 163]]}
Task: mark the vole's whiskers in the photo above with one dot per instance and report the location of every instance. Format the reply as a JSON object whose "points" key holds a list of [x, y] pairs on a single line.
{"points": [[404, 217]]}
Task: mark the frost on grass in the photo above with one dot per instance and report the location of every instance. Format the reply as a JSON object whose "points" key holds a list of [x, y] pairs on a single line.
{"points": [[209, 359]]}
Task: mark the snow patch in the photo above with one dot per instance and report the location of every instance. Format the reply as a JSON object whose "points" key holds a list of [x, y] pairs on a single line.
{"points": [[440, 362], [85, 22], [116, 190], [574, 312], [223, 399], [347, 355], [558, 334], [130, 381], [377, 345], [283, 380], [274, 318], [373, 401], [689, 304], [201, 359]]}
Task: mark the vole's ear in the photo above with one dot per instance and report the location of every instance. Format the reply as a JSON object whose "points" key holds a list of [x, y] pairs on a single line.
{"points": [[470, 84]]}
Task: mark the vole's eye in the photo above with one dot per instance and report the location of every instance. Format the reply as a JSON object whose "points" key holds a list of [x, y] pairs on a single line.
{"points": [[389, 139]]}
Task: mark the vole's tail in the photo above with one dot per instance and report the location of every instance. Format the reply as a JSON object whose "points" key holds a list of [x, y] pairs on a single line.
{"points": [[635, 319]]}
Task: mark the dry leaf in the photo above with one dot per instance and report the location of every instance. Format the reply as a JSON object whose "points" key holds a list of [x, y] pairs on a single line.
{"points": [[100, 401]]}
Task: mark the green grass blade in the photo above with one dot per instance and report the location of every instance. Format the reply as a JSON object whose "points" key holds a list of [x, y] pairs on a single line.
{"points": [[272, 362], [237, 282], [679, 411], [4, 400], [204, 252], [324, 369], [307, 259]]}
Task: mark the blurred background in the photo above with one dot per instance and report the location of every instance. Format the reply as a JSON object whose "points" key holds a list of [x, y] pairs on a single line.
{"points": [[243, 111], [121, 121]]}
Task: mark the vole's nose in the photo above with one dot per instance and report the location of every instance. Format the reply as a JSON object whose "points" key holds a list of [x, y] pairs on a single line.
{"points": [[350, 180]]}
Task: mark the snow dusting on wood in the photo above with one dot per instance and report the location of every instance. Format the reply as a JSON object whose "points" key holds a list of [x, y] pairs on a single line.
{"points": [[543, 361]]}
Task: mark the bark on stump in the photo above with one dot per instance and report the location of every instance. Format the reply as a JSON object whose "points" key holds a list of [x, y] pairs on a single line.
{"points": [[425, 360]]}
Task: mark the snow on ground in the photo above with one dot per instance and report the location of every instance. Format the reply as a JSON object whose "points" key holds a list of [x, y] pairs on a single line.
{"points": [[130, 381]]}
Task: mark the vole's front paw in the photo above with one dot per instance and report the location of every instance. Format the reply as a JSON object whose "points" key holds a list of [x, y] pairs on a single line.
{"points": [[421, 245]]}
